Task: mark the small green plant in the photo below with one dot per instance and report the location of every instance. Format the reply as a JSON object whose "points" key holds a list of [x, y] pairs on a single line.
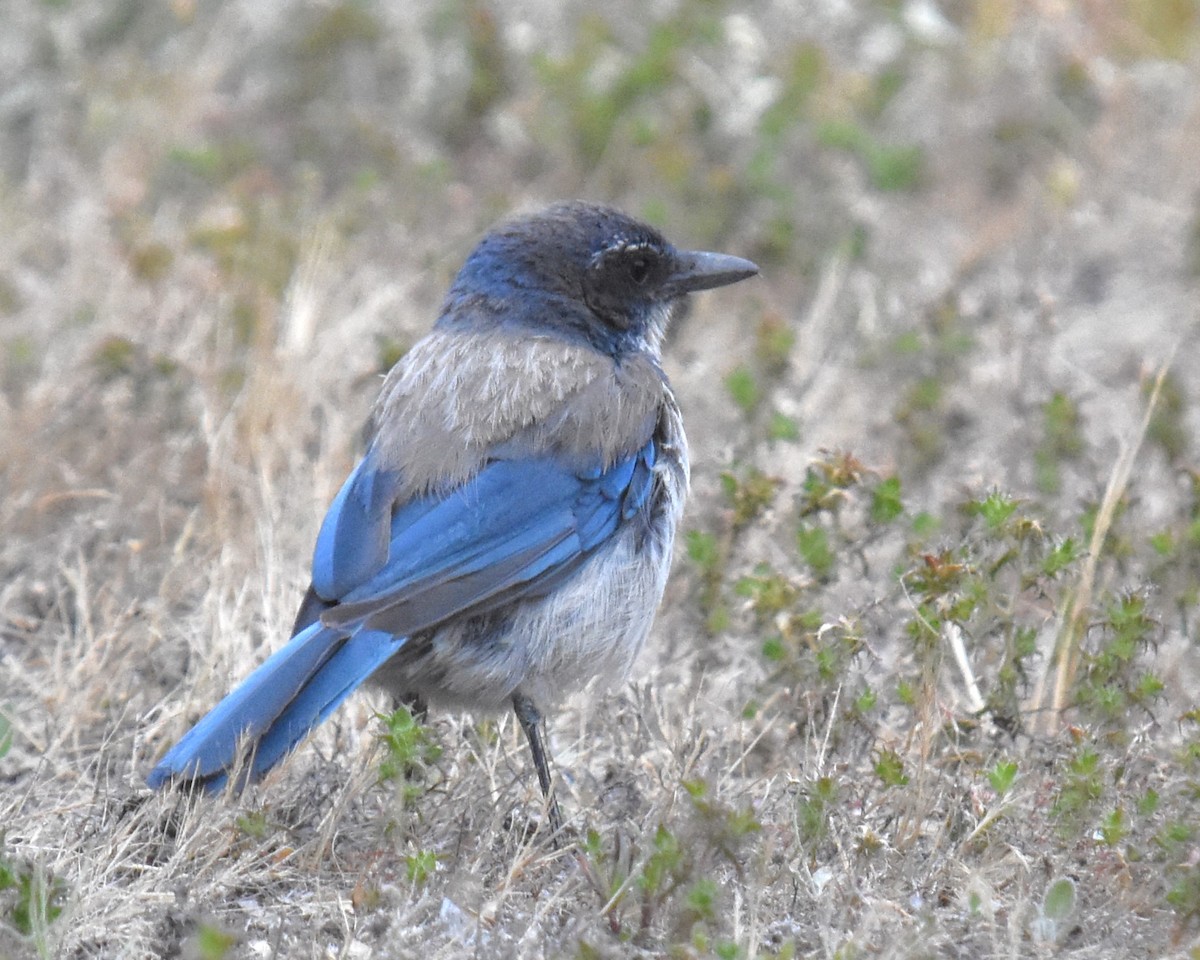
{"points": [[1112, 684], [886, 504], [782, 428], [708, 556], [774, 340], [814, 658], [828, 484], [889, 767], [662, 871], [254, 824], [1056, 910], [813, 809], [770, 593], [743, 389], [701, 899], [629, 105], [749, 383], [748, 495], [1062, 439], [30, 899], [865, 702], [1114, 828], [1174, 836], [420, 866], [338, 27], [1184, 895], [702, 549], [1002, 776], [408, 750], [725, 827], [604, 871], [1062, 555], [1081, 788], [802, 75], [995, 509], [671, 888], [889, 167], [930, 358], [813, 544], [490, 79], [213, 942]]}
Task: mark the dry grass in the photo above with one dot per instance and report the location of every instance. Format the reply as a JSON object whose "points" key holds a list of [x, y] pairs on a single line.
{"points": [[222, 223]]}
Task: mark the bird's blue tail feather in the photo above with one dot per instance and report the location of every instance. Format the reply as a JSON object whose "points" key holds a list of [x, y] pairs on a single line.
{"points": [[343, 673], [277, 705]]}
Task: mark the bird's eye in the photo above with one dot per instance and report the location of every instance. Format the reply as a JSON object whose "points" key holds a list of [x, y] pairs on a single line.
{"points": [[621, 280], [639, 270]]}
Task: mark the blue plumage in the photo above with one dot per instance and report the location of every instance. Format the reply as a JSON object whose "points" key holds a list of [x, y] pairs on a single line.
{"points": [[353, 542], [209, 748], [509, 530], [486, 544], [491, 541]]}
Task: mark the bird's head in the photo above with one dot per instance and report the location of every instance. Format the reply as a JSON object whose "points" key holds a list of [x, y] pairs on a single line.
{"points": [[582, 270]]}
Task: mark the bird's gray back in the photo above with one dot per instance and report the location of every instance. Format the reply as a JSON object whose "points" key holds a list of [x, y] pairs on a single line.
{"points": [[460, 398]]}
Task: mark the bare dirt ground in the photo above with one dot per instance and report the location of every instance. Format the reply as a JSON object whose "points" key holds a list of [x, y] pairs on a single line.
{"points": [[926, 679]]}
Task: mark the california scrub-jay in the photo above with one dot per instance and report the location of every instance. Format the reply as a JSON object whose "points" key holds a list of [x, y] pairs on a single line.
{"points": [[508, 533]]}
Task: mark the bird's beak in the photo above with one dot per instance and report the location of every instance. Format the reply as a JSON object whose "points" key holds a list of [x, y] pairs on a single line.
{"points": [[697, 270]]}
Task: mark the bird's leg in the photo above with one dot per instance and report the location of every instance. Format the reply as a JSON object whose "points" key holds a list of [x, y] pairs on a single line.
{"points": [[530, 719], [415, 704]]}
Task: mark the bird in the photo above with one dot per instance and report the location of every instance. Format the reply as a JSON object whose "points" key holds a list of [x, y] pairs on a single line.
{"points": [[507, 534]]}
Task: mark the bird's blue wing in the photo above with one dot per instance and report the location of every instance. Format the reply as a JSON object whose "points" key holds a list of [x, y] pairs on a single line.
{"points": [[353, 541], [516, 530], [515, 526]]}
